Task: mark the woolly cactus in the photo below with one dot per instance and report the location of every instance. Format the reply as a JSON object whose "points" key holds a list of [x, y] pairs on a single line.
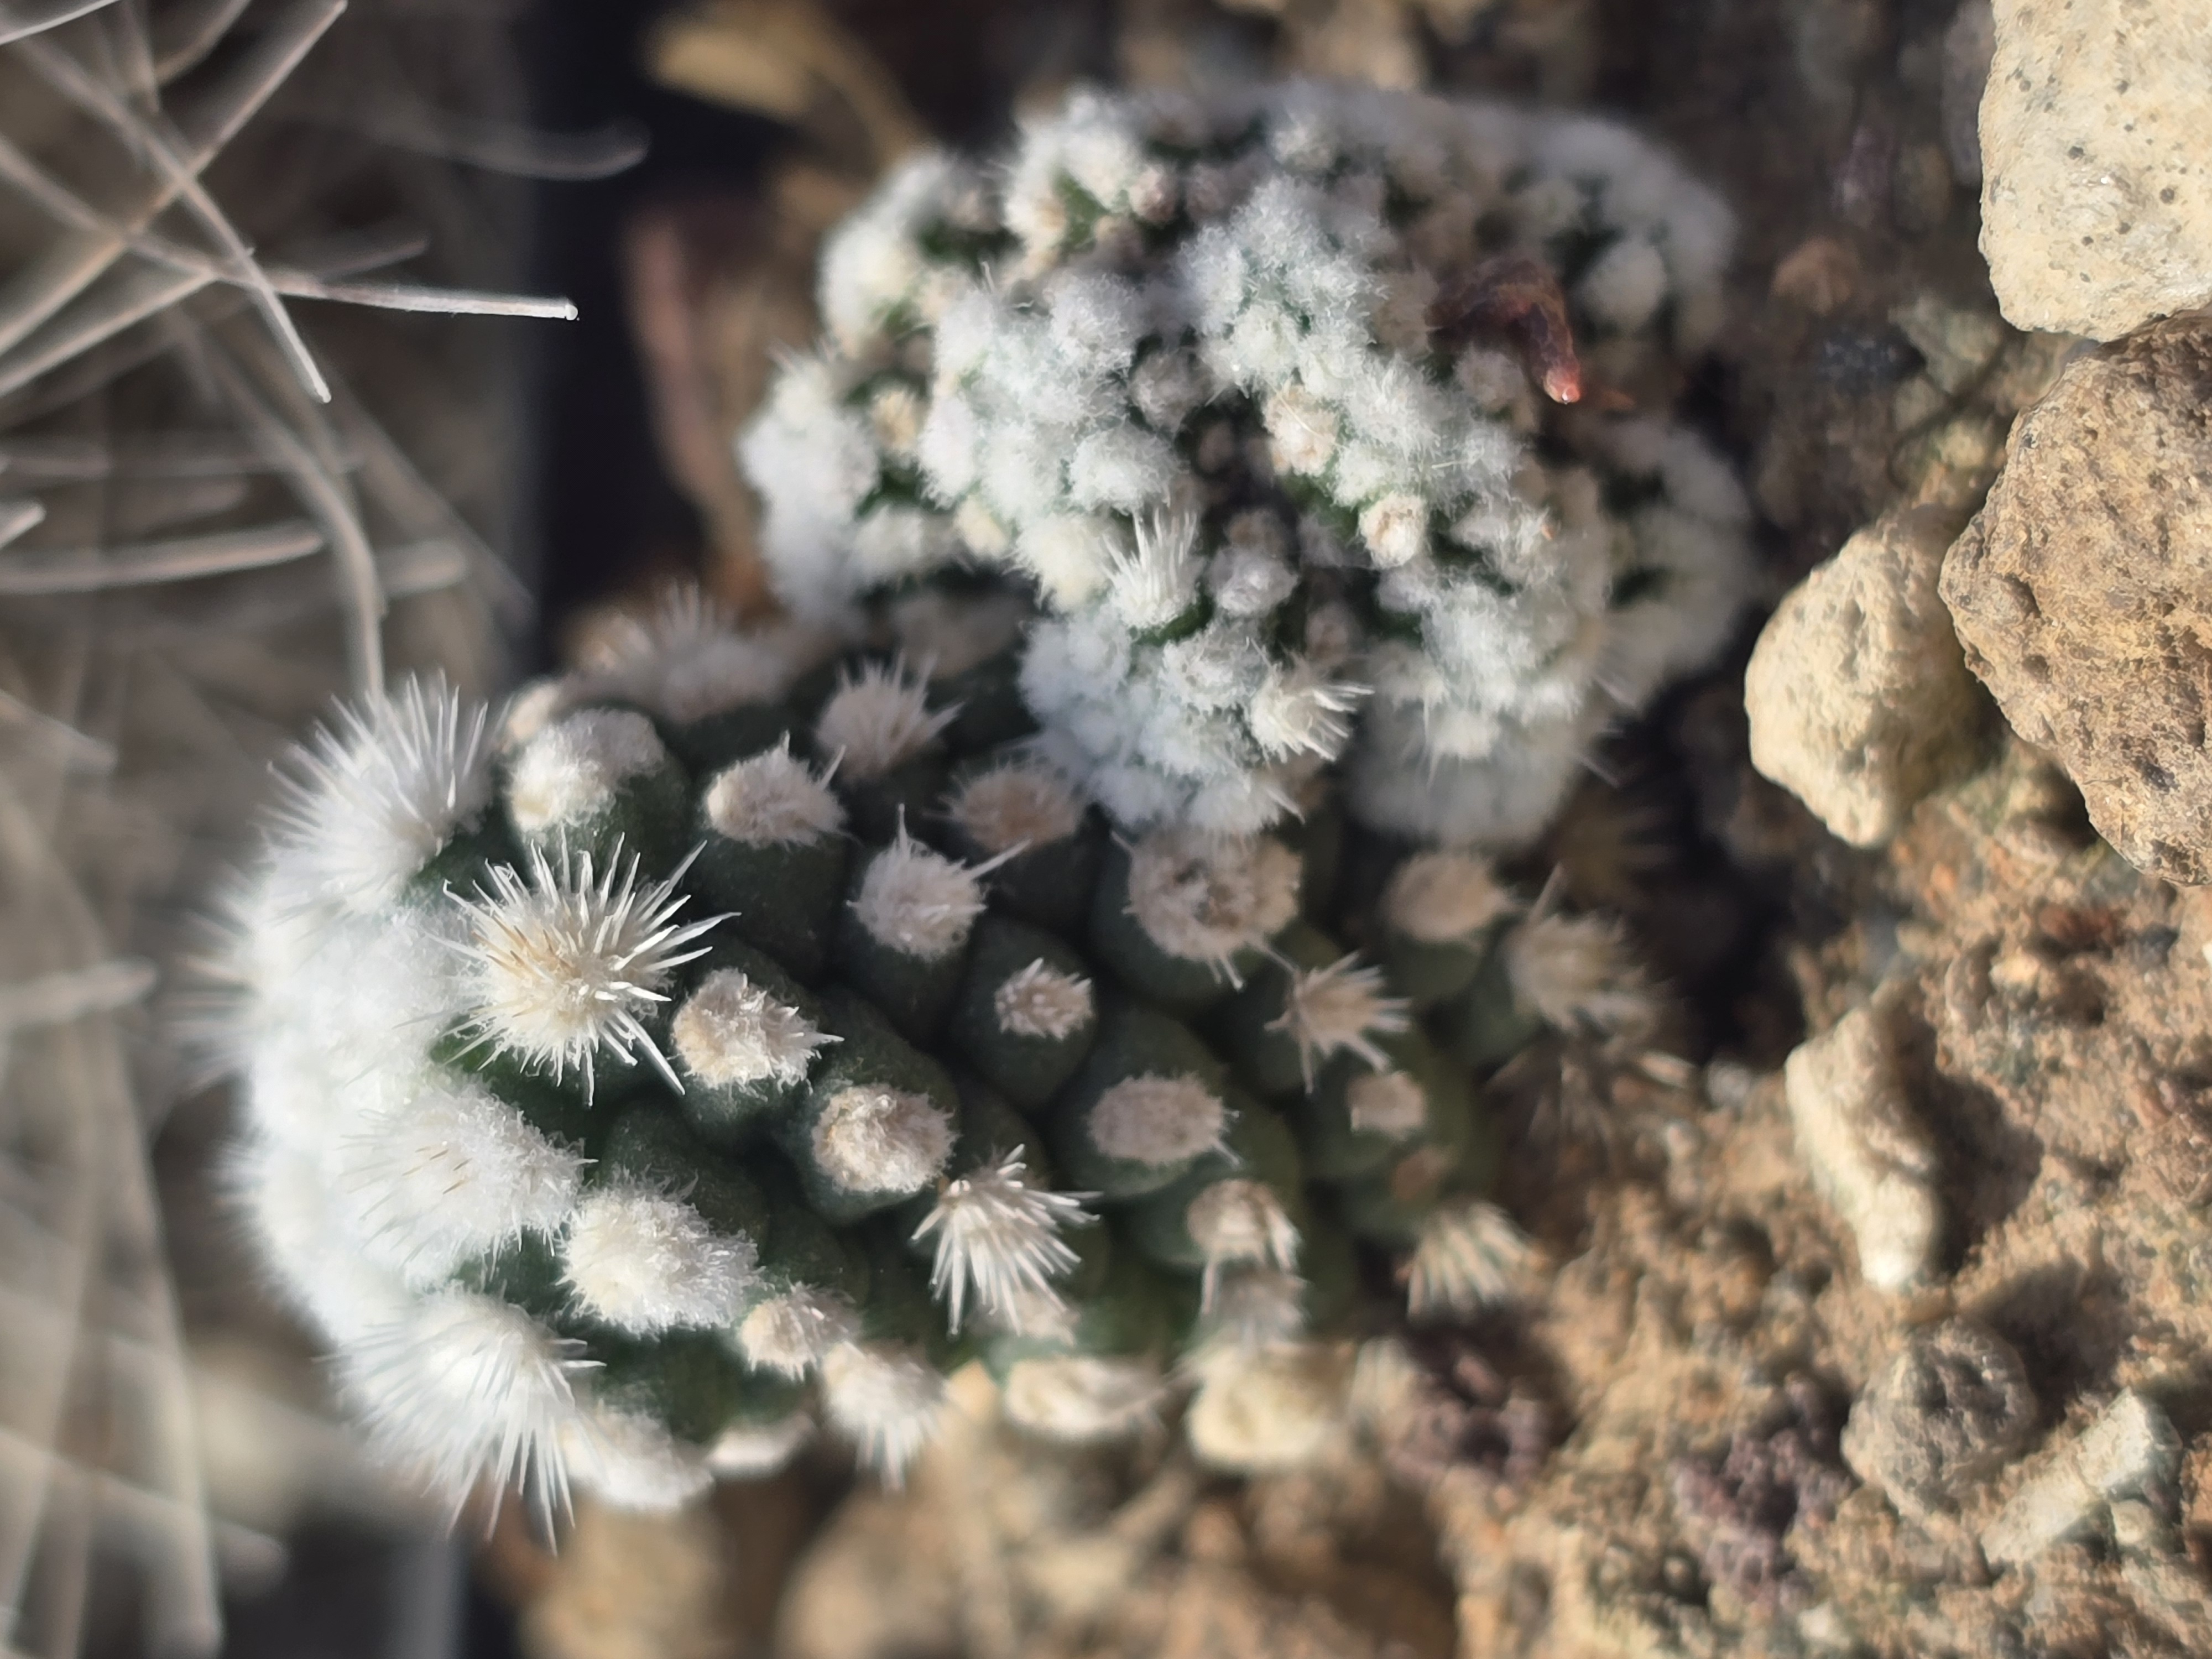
{"points": [[617, 1119], [1256, 390], [745, 1029]]}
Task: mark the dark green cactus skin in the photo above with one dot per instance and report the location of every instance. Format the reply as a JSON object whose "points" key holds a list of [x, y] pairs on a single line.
{"points": [[743, 1156]]}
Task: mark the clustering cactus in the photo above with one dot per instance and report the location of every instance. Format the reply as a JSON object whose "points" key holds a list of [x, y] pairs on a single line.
{"points": [[1240, 384], [744, 1029]]}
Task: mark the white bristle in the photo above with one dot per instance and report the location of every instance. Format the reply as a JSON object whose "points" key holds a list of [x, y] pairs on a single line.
{"points": [[629, 1462], [1575, 972], [731, 1033], [872, 1139], [1470, 1256], [884, 1398], [1239, 1223], [1207, 898], [1157, 1120], [1016, 806], [562, 963], [773, 799], [918, 901], [1157, 582], [1041, 1001], [1300, 710], [790, 1332], [575, 766], [1339, 1009], [997, 1237], [368, 800], [646, 1263], [877, 719]]}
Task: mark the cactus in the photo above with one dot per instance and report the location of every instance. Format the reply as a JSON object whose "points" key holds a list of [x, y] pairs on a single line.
{"points": [[744, 1029]]}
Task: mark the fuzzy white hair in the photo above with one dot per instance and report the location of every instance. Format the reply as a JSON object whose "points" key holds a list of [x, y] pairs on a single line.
{"points": [[789, 1332], [469, 1391], [629, 1462], [1392, 1105], [367, 800], [1016, 805], [1041, 1001], [1239, 1222], [730, 1032], [1082, 1400], [874, 1139], [575, 766], [452, 1174], [646, 1262], [1470, 1255], [1576, 974], [917, 900], [1208, 898], [884, 1398], [561, 964], [309, 1244], [1443, 897], [1300, 710], [877, 718], [1158, 1121], [998, 1236], [773, 799], [1340, 1008]]}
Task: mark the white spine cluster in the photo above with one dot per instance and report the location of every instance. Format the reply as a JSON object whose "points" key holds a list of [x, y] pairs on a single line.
{"points": [[1181, 364], [1340, 1009], [1471, 1256], [997, 1237]]}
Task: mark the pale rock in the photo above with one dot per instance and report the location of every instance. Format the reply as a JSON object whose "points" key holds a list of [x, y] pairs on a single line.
{"points": [[2130, 1452], [1858, 695], [1952, 1408], [1869, 1154], [2096, 179]]}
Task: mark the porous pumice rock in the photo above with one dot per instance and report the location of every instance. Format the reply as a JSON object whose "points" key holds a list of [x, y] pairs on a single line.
{"points": [[1858, 695], [1952, 1408], [2082, 591], [1868, 1153], [2096, 197], [2130, 1452]]}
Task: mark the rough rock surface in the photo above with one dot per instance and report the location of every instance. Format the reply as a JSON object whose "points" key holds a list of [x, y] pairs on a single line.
{"points": [[1869, 1154], [2083, 592], [2096, 187], [1859, 697], [1951, 1409]]}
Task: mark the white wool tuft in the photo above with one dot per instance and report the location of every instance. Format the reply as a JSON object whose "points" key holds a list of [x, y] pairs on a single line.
{"points": [[731, 1033], [646, 1263], [469, 1391], [1239, 1223], [1301, 711], [629, 1462], [1576, 974], [918, 901], [877, 719], [1080, 1399], [1041, 1001], [1444, 897], [1157, 1120], [1396, 529], [998, 1236], [368, 800], [454, 1172], [1016, 805], [744, 1453], [559, 965], [1207, 898], [574, 767], [1157, 582], [1470, 1256], [1340, 1009], [872, 1139], [1389, 1104], [790, 1332], [884, 1398], [773, 799]]}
